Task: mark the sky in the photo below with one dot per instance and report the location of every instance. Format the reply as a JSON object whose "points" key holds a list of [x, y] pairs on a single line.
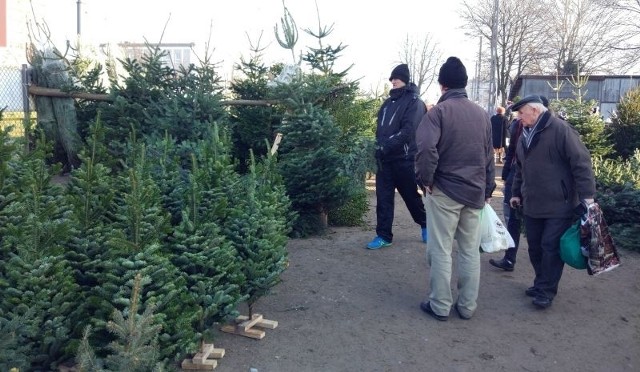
{"points": [[372, 31]]}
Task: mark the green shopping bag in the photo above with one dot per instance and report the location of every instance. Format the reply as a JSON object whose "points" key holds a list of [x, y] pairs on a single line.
{"points": [[570, 251]]}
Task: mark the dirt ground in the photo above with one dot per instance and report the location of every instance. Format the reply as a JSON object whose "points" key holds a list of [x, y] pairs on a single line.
{"points": [[341, 307]]}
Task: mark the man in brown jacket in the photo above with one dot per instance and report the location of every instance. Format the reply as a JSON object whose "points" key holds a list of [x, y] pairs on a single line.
{"points": [[455, 164]]}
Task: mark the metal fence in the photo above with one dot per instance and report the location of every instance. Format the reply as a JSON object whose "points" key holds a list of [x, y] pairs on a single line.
{"points": [[14, 98]]}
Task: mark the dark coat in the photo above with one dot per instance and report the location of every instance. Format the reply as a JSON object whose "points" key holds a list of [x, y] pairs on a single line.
{"points": [[398, 118], [454, 150], [554, 173], [499, 131]]}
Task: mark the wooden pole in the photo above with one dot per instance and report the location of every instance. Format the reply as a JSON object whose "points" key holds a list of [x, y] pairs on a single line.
{"points": [[52, 92]]}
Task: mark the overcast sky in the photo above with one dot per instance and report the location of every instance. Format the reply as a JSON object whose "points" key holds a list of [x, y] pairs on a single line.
{"points": [[373, 31]]}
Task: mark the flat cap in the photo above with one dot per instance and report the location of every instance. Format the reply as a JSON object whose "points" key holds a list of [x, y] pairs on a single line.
{"points": [[528, 99]]}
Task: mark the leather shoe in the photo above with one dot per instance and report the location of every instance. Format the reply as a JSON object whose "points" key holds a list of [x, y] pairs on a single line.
{"points": [[462, 316], [503, 264], [426, 307], [532, 292], [541, 302]]}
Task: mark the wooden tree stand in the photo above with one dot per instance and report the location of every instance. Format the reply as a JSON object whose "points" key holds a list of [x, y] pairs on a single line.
{"points": [[244, 326], [202, 361]]}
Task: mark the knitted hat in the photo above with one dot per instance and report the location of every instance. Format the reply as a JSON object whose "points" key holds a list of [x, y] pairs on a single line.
{"points": [[453, 74], [401, 72]]}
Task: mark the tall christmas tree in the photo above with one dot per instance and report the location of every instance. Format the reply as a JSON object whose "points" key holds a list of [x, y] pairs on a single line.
{"points": [[258, 227]]}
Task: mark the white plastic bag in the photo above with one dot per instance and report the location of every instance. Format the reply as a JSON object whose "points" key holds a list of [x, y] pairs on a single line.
{"points": [[494, 236]]}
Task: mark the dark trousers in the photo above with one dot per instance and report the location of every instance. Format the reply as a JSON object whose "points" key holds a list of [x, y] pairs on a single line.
{"points": [[399, 175], [512, 217], [543, 236]]}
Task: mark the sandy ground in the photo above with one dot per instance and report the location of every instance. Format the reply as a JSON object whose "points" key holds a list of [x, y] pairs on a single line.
{"points": [[341, 307]]}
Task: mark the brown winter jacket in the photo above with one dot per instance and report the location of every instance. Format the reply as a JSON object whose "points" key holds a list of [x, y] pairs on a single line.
{"points": [[455, 152], [555, 172]]}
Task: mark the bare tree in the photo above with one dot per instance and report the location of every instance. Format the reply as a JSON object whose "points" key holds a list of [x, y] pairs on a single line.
{"points": [[582, 32], [627, 13], [518, 40], [422, 54]]}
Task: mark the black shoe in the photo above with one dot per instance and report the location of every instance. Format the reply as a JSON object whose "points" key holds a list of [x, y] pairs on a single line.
{"points": [[541, 302], [426, 307], [503, 264], [532, 292], [462, 316]]}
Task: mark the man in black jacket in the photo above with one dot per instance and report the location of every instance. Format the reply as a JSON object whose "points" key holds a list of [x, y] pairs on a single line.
{"points": [[553, 176], [395, 151]]}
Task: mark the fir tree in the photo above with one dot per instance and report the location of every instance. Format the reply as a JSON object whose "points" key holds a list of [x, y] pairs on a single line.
{"points": [[90, 193], [625, 125], [311, 166], [139, 228], [14, 345], [34, 272], [135, 347], [252, 125], [258, 227], [206, 260]]}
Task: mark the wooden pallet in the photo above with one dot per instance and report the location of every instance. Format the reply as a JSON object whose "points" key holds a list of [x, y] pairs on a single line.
{"points": [[205, 360], [245, 326]]}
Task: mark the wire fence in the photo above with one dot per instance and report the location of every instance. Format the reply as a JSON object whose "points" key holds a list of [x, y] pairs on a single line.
{"points": [[14, 99]]}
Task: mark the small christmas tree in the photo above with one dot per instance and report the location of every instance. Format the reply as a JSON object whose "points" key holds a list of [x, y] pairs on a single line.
{"points": [[135, 347]]}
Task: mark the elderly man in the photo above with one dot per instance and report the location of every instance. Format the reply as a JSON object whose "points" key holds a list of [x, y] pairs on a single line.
{"points": [[455, 164], [553, 175]]}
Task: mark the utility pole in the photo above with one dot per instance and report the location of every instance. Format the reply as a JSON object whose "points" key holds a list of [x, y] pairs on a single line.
{"points": [[78, 17], [494, 57], [478, 70]]}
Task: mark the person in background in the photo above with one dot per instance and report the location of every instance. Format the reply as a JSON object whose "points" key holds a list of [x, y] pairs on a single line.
{"points": [[499, 133], [395, 152], [454, 164], [553, 176]]}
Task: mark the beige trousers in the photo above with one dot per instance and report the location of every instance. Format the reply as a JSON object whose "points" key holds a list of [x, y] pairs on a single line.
{"points": [[448, 221]]}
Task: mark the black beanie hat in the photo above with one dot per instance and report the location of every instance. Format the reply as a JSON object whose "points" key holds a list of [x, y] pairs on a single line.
{"points": [[400, 72], [453, 74]]}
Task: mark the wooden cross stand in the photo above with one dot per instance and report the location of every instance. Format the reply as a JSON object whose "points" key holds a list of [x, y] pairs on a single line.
{"points": [[244, 326], [205, 360]]}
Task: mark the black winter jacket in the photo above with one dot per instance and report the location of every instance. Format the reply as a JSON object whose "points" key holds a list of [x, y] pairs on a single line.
{"points": [[398, 118], [554, 173]]}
